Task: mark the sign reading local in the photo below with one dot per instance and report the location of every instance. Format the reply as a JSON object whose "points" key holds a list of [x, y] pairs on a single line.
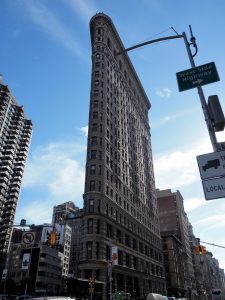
{"points": [[214, 188], [194, 77], [211, 165], [212, 171]]}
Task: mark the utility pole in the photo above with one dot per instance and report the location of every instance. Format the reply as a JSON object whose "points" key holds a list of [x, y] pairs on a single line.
{"points": [[209, 124], [210, 128]]}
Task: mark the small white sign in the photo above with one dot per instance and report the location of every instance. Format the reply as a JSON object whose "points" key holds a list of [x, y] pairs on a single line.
{"points": [[211, 165], [25, 262], [4, 274], [114, 256], [214, 188]]}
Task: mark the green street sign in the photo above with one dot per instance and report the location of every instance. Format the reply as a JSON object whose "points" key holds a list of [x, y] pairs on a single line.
{"points": [[197, 76]]}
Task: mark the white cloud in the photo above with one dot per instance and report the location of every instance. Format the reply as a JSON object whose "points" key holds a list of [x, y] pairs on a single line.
{"points": [[36, 212], [51, 25], [85, 130], [212, 222], [69, 181], [172, 117], [58, 173], [56, 167], [193, 203], [83, 8], [164, 93], [179, 168]]}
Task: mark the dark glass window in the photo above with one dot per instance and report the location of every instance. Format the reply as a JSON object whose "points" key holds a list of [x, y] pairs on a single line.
{"points": [[95, 103], [120, 258], [94, 140], [89, 246], [93, 154], [97, 250], [92, 169], [91, 205], [90, 226], [109, 231], [95, 115], [94, 127], [92, 185], [98, 227]]}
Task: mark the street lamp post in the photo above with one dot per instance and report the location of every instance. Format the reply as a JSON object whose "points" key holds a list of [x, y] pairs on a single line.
{"points": [[210, 128], [211, 131]]}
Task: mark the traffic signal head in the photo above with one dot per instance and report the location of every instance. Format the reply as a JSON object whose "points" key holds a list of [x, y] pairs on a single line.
{"points": [[91, 281], [203, 250], [197, 250], [52, 238], [200, 250], [57, 236]]}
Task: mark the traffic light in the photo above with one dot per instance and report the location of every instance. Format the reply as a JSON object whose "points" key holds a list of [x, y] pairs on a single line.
{"points": [[203, 250], [91, 281], [200, 250], [47, 236], [57, 237], [52, 239], [197, 250]]}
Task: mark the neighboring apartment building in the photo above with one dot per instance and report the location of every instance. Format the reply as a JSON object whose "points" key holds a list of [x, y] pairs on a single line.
{"points": [[15, 137], [174, 222], [63, 211], [120, 207], [47, 264]]}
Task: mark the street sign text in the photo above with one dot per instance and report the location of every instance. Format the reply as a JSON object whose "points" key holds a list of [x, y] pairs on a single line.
{"points": [[197, 76]]}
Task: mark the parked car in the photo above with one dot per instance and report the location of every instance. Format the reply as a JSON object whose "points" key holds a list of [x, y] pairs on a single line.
{"points": [[23, 297]]}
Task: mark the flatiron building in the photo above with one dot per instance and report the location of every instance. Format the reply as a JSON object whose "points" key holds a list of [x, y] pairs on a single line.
{"points": [[120, 207]]}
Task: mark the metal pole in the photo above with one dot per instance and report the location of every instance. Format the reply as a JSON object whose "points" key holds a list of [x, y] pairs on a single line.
{"points": [[110, 280], [210, 128], [25, 292]]}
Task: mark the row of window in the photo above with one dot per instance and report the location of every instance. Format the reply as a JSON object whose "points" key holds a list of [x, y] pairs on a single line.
{"points": [[124, 259], [126, 239], [95, 206]]}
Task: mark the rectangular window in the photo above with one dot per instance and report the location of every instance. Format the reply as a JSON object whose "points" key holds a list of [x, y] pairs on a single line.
{"points": [[94, 140], [94, 127], [108, 252], [127, 260], [91, 205], [99, 186], [95, 115], [120, 257], [92, 169], [93, 154], [135, 262], [98, 227], [90, 226], [97, 250], [92, 185], [96, 93], [89, 246], [109, 231], [95, 103]]}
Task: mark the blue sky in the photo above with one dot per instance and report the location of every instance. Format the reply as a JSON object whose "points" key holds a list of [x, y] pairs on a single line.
{"points": [[45, 58]]}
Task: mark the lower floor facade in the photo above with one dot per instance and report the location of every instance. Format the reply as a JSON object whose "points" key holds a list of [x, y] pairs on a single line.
{"points": [[115, 279]]}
